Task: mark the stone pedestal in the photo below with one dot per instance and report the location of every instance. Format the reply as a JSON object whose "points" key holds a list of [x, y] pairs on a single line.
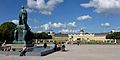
{"points": [[18, 45], [19, 35], [22, 36]]}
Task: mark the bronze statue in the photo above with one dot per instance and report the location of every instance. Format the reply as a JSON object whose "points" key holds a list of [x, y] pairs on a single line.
{"points": [[22, 16], [22, 32]]}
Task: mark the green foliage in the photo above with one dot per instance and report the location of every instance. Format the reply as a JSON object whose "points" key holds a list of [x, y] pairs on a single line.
{"points": [[42, 35], [7, 31], [115, 35], [91, 42]]}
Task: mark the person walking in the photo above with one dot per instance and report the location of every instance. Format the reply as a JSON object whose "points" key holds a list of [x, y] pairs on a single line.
{"points": [[55, 46], [23, 51], [45, 45], [63, 46], [78, 42]]}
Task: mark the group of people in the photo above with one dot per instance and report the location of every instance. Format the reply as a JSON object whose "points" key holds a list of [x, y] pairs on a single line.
{"points": [[7, 49], [59, 46]]}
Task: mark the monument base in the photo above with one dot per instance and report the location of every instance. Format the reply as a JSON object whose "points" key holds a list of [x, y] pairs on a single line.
{"points": [[19, 42], [18, 45]]}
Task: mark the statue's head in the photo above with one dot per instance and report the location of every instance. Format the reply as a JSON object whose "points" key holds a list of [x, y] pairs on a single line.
{"points": [[22, 7], [23, 10]]}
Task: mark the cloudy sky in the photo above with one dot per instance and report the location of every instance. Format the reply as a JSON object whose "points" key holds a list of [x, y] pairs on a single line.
{"points": [[66, 16]]}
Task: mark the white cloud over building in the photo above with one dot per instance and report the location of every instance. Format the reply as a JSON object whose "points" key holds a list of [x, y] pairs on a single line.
{"points": [[65, 31], [56, 25], [105, 24]]}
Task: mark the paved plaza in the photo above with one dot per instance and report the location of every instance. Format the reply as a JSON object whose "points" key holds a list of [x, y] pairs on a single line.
{"points": [[74, 52]]}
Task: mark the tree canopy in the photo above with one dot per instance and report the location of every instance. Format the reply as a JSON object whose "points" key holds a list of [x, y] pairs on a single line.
{"points": [[42, 35], [7, 31], [115, 35]]}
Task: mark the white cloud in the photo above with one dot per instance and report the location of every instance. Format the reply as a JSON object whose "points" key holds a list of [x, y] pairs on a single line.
{"points": [[45, 27], [56, 25], [29, 10], [44, 7], [104, 6], [85, 17], [39, 31], [35, 20], [69, 31], [83, 28], [105, 24], [118, 28], [71, 24], [15, 21]]}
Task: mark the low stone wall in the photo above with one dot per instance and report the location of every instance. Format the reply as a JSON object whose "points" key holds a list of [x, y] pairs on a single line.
{"points": [[46, 52], [42, 53], [7, 53]]}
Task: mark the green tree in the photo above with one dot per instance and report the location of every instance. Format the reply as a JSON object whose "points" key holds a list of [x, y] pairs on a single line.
{"points": [[0, 37], [7, 32], [42, 35], [115, 35]]}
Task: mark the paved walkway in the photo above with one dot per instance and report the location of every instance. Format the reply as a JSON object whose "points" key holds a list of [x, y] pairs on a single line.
{"points": [[83, 52]]}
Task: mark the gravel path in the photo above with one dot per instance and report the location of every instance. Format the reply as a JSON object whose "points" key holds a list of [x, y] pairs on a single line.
{"points": [[74, 52]]}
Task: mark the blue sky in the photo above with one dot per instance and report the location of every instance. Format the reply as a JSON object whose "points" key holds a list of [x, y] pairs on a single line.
{"points": [[66, 16]]}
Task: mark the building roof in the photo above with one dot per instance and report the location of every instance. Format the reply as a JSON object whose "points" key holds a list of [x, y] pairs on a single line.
{"points": [[81, 30], [100, 34], [61, 35]]}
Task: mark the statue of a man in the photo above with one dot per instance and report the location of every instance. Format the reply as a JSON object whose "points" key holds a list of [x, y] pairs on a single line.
{"points": [[22, 32], [22, 16]]}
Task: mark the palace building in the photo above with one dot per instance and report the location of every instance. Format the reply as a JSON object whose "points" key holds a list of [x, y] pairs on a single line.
{"points": [[87, 36]]}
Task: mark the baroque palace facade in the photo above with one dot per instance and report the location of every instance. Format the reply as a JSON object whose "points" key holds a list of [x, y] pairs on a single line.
{"points": [[87, 36]]}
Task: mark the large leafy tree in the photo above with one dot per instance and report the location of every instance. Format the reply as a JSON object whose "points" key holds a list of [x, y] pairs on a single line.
{"points": [[115, 35], [42, 35], [0, 37], [7, 32]]}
